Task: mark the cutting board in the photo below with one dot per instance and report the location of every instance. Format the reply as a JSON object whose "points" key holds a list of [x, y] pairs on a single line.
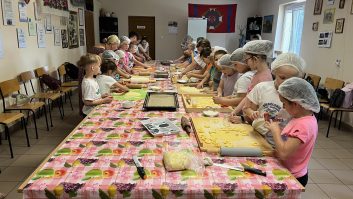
{"points": [[188, 90], [200, 102], [212, 133]]}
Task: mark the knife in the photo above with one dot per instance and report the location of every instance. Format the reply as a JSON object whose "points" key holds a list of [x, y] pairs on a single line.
{"points": [[248, 169], [140, 169]]}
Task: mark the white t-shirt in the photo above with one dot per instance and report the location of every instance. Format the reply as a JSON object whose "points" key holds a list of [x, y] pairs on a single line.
{"points": [[200, 61], [105, 82], [242, 84], [90, 91]]}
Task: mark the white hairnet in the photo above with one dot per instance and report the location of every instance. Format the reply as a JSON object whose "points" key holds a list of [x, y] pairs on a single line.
{"points": [[238, 55], [298, 90], [109, 54], [125, 39], [217, 48], [259, 47], [120, 53], [224, 61], [289, 59]]}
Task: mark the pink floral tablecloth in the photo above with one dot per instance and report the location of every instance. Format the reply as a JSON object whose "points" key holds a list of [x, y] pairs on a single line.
{"points": [[95, 161]]}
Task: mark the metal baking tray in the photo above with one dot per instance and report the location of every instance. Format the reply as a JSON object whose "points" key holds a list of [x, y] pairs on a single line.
{"points": [[161, 101]]}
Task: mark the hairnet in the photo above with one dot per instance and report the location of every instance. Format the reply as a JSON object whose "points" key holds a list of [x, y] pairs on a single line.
{"points": [[289, 59], [217, 48], [259, 47], [109, 54], [238, 55], [298, 90], [120, 53], [113, 39], [125, 39], [225, 61]]}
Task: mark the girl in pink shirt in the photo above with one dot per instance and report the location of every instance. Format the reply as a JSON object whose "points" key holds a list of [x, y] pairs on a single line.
{"points": [[295, 143]]}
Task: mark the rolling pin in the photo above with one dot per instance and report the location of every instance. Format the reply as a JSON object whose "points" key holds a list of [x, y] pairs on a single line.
{"points": [[237, 152], [144, 73], [132, 86], [186, 125]]}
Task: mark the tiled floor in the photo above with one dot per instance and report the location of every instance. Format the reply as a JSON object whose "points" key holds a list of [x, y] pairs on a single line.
{"points": [[330, 169]]}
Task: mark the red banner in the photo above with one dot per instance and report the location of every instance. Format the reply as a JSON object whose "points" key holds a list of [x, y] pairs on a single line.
{"points": [[220, 18]]}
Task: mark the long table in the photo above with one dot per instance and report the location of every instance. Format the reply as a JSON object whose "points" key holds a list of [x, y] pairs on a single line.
{"points": [[95, 161]]}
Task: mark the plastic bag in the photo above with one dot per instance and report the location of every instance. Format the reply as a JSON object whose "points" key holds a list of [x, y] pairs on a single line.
{"points": [[182, 160]]}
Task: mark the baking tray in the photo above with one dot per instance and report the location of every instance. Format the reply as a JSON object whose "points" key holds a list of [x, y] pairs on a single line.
{"points": [[161, 101], [200, 102], [160, 126]]}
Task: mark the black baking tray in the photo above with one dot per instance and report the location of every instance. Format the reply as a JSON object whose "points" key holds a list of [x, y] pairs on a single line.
{"points": [[151, 95]]}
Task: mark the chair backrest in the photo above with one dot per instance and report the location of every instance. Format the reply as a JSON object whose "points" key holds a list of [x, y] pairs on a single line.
{"points": [[8, 87], [27, 76], [41, 71], [62, 70], [333, 84], [316, 79]]}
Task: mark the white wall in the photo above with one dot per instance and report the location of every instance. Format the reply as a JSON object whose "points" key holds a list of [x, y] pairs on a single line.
{"points": [[18, 60], [97, 7], [321, 61], [168, 45]]}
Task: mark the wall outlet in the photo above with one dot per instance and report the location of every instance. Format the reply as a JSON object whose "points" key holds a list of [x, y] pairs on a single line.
{"points": [[338, 62]]}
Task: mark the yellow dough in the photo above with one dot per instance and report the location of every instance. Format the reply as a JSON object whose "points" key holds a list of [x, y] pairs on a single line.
{"points": [[139, 80], [203, 102], [176, 160], [188, 90]]}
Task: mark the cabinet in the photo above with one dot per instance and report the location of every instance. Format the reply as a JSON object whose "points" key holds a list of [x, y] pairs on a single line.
{"points": [[108, 26]]}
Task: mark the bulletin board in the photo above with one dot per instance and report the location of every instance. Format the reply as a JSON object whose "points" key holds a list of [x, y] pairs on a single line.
{"points": [[197, 27]]}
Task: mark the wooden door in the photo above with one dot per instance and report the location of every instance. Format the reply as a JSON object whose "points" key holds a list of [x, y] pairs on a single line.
{"points": [[89, 29], [145, 26]]}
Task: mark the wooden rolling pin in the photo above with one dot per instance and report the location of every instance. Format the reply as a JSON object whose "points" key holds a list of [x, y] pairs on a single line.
{"points": [[144, 73], [136, 86], [186, 125], [240, 152]]}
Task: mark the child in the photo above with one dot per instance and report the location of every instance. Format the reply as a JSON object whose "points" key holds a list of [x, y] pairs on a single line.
{"points": [[91, 96], [112, 43], [300, 101], [263, 98], [129, 60], [206, 57], [106, 82], [229, 76], [112, 56], [144, 48], [242, 84], [133, 49]]}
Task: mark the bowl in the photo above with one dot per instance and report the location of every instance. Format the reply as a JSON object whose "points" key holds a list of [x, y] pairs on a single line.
{"points": [[128, 104], [155, 88], [193, 80], [210, 113], [182, 81]]}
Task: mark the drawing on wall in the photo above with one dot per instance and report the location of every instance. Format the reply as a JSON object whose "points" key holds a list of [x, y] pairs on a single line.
{"points": [[31, 27], [318, 7], [7, 13], [325, 39], [73, 30], [329, 15], [57, 37], [267, 24], [339, 25], [64, 41], [315, 26], [82, 37]]}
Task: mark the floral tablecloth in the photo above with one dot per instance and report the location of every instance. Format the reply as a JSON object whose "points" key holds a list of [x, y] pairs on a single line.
{"points": [[95, 161]]}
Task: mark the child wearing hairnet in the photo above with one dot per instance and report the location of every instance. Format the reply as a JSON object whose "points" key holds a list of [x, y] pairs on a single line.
{"points": [[242, 84], [229, 76], [129, 60], [205, 54], [295, 143], [263, 98]]}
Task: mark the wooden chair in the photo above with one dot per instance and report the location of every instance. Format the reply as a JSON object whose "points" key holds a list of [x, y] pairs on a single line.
{"points": [[316, 80], [63, 78], [65, 91], [7, 88], [332, 84], [6, 119], [47, 97]]}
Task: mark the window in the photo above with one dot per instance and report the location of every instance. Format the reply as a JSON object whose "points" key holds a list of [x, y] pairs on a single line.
{"points": [[292, 29]]}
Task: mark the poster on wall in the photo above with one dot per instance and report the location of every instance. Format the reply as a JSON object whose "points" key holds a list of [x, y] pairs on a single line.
{"points": [[267, 24], [22, 11], [318, 7], [325, 39], [330, 2], [253, 27], [40, 36], [64, 41], [329, 15], [21, 38], [48, 24], [73, 30], [341, 4], [36, 11], [173, 27], [82, 37], [7, 12], [81, 17], [1, 47], [57, 37], [31, 27]]}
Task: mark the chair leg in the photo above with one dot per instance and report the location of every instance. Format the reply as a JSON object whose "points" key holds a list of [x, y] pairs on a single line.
{"points": [[58, 103], [339, 126], [35, 124], [72, 108], [329, 124], [51, 120], [62, 105], [336, 119], [9, 139], [46, 117], [23, 122]]}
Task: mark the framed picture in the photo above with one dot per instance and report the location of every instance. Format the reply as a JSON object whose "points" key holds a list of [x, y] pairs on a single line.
{"points": [[325, 39], [315, 26], [341, 4], [81, 17], [267, 24], [318, 7], [254, 26], [82, 37], [352, 8], [339, 25], [329, 15], [72, 30], [64, 41]]}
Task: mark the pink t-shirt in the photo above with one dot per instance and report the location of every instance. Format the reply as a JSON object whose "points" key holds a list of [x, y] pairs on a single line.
{"points": [[258, 77], [305, 129]]}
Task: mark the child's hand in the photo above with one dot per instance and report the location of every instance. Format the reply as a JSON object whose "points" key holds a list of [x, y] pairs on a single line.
{"points": [[235, 119], [217, 100], [199, 86], [189, 74], [254, 115], [273, 126], [107, 99], [105, 95]]}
